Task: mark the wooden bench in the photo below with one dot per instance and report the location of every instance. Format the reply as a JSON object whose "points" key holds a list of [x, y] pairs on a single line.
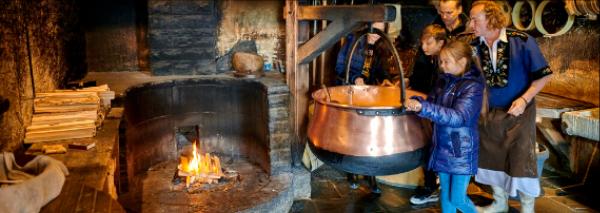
{"points": [[91, 185]]}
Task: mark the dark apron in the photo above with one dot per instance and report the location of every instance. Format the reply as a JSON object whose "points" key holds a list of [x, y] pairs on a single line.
{"points": [[507, 142]]}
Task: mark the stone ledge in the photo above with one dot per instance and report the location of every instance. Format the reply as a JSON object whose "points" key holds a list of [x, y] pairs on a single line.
{"points": [[552, 106], [301, 183]]}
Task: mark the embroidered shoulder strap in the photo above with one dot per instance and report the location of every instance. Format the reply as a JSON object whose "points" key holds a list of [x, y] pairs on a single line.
{"points": [[466, 37], [516, 33]]}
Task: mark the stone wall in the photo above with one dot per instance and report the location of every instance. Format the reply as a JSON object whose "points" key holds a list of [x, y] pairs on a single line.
{"points": [[187, 37], [41, 42], [261, 21], [182, 36]]}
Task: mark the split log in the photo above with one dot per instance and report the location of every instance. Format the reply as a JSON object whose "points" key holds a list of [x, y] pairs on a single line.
{"points": [[66, 114], [103, 87], [52, 118], [65, 94], [67, 108], [103, 92], [65, 100], [50, 136], [63, 126]]}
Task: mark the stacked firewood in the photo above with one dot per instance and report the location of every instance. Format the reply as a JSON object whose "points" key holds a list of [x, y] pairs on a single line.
{"points": [[67, 114]]}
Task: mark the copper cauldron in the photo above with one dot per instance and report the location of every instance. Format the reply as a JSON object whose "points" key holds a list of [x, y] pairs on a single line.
{"points": [[364, 130]]}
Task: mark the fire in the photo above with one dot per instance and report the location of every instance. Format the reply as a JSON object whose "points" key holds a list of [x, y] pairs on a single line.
{"points": [[200, 168]]}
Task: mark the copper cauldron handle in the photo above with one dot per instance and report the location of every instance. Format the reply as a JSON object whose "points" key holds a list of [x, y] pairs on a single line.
{"points": [[394, 52]]}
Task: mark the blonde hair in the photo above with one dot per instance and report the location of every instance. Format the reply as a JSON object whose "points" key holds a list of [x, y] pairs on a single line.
{"points": [[434, 31], [496, 17]]}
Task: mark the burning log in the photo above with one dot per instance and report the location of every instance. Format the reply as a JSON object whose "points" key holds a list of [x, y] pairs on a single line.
{"points": [[200, 168]]}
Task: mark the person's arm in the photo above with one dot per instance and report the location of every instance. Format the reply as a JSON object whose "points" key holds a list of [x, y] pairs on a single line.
{"points": [[467, 106], [518, 105], [355, 62], [540, 73], [340, 65]]}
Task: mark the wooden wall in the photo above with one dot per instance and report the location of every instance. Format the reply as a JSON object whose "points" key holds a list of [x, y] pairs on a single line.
{"points": [[40, 42], [575, 60]]}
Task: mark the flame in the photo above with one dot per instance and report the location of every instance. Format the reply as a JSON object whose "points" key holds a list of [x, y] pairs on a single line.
{"points": [[205, 168]]}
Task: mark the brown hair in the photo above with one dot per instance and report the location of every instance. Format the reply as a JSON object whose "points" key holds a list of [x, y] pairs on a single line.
{"points": [[434, 31], [457, 5], [496, 17], [436, 3], [460, 49]]}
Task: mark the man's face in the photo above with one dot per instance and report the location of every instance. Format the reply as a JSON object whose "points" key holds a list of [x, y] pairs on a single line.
{"points": [[449, 12], [372, 37], [478, 23]]}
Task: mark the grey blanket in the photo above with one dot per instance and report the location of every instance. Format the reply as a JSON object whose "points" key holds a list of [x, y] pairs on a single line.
{"points": [[29, 188]]}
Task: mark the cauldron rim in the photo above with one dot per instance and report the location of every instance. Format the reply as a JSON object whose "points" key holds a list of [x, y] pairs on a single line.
{"points": [[354, 107]]}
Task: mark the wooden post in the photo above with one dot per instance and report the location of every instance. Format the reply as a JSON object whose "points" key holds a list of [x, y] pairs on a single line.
{"points": [[297, 77]]}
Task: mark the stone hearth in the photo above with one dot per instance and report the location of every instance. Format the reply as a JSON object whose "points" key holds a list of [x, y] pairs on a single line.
{"points": [[244, 120]]}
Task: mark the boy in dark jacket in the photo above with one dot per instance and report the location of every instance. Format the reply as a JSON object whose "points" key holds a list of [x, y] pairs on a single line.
{"points": [[454, 107], [423, 77]]}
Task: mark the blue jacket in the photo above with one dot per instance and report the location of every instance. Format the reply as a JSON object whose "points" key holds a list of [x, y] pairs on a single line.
{"points": [[377, 74], [454, 106]]}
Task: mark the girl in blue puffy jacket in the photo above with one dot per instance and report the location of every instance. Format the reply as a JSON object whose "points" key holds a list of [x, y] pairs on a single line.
{"points": [[454, 107]]}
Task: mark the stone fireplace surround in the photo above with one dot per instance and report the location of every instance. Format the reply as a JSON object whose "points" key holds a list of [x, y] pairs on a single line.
{"points": [[237, 117]]}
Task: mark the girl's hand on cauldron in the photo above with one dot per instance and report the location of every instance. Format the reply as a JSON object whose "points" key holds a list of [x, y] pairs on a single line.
{"points": [[387, 83], [413, 105]]}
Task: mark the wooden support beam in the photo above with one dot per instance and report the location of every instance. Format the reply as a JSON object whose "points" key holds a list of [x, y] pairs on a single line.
{"points": [[291, 28], [554, 137], [362, 13], [325, 39], [343, 20]]}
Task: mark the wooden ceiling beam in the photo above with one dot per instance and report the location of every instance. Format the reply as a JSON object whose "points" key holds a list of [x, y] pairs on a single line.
{"points": [[362, 13], [343, 19]]}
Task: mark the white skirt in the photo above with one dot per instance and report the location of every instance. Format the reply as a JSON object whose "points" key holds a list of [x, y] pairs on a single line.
{"points": [[527, 185]]}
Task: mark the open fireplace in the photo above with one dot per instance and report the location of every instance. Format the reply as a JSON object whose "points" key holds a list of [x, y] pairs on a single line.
{"points": [[243, 122]]}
